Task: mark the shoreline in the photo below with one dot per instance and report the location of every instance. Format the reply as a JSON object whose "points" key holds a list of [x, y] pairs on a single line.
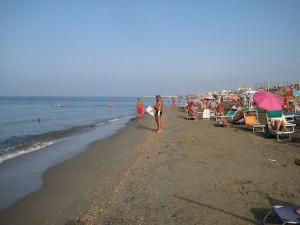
{"points": [[26, 171], [192, 173]]}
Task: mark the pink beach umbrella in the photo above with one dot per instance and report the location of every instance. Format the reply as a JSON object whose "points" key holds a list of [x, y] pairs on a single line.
{"points": [[267, 100]]}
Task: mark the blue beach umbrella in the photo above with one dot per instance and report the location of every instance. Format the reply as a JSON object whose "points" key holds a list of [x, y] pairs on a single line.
{"points": [[296, 93]]}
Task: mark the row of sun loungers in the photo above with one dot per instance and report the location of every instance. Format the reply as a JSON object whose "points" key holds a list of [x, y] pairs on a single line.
{"points": [[251, 120]]}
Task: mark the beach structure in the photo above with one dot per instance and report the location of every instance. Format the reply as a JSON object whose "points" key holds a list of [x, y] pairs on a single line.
{"points": [[247, 99]]}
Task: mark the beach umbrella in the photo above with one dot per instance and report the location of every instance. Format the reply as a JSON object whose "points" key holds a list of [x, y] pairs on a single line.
{"points": [[267, 100], [294, 93]]}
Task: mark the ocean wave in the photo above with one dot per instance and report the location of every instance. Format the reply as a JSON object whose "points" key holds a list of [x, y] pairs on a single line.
{"points": [[113, 120], [11, 152], [16, 146]]}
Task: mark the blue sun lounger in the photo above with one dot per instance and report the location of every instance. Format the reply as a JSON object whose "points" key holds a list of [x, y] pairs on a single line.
{"points": [[287, 214]]}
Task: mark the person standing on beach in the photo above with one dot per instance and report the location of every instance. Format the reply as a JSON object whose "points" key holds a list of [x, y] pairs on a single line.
{"points": [[219, 109], [139, 108], [173, 103], [158, 107]]}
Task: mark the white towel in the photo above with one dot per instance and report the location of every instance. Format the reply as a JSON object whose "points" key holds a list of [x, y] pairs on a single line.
{"points": [[150, 110]]}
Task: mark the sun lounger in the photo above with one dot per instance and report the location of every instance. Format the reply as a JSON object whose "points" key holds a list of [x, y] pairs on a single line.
{"points": [[229, 115], [286, 213], [291, 117], [281, 135], [275, 115], [191, 117], [251, 121]]}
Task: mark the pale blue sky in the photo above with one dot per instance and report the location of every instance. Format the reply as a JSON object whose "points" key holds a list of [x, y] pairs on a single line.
{"points": [[145, 47]]}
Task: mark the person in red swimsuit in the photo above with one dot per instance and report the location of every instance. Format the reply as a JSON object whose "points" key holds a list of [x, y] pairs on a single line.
{"points": [[139, 108]]}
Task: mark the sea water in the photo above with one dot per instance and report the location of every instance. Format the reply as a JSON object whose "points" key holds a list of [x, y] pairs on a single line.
{"points": [[37, 133]]}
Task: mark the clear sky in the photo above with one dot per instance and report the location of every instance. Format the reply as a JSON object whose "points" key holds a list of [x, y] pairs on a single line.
{"points": [[145, 47]]}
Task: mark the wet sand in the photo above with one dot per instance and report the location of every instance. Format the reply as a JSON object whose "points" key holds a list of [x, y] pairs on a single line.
{"points": [[192, 173]]}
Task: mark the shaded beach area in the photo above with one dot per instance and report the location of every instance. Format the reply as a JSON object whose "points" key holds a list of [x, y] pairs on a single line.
{"points": [[194, 172]]}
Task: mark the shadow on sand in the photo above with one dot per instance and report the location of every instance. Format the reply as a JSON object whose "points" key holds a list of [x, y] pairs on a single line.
{"points": [[259, 213], [145, 128], [217, 209]]}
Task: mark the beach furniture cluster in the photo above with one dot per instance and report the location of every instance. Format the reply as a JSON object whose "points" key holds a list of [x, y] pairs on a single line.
{"points": [[278, 121]]}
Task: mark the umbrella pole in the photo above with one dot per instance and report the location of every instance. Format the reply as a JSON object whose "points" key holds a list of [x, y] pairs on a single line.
{"points": [[294, 104]]}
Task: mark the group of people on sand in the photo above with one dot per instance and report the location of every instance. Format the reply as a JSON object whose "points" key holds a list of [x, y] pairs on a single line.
{"points": [[191, 109], [276, 124], [158, 111]]}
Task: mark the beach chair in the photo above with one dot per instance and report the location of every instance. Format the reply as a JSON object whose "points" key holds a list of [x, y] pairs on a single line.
{"points": [[252, 121], [286, 213], [289, 117], [281, 135], [251, 112], [275, 115], [191, 117], [229, 115]]}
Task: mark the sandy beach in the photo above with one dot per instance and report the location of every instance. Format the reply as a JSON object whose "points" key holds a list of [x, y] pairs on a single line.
{"points": [[194, 172]]}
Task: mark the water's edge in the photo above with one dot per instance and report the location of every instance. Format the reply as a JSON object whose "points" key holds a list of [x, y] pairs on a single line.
{"points": [[22, 175]]}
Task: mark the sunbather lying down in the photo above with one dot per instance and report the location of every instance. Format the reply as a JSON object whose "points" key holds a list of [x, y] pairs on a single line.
{"points": [[278, 125], [224, 122], [238, 118]]}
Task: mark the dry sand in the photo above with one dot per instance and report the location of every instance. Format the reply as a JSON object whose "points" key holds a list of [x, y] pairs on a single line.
{"points": [[192, 173]]}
